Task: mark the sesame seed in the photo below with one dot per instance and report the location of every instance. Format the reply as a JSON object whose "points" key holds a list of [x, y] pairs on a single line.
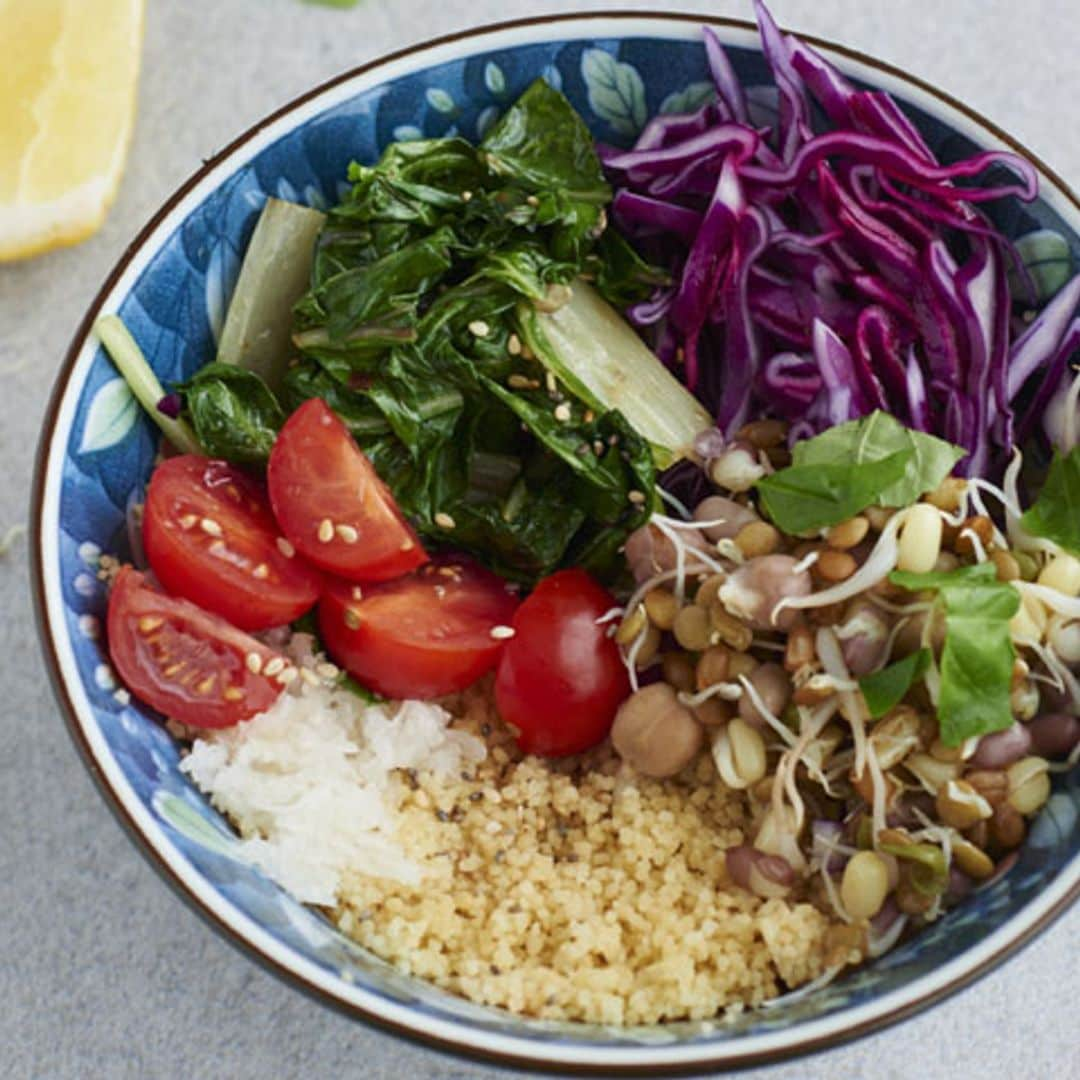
{"points": [[274, 665], [287, 676], [352, 619], [122, 696], [149, 623], [636, 497], [552, 385], [326, 531], [285, 547], [598, 447], [262, 571], [327, 670], [502, 633], [440, 591], [210, 527], [562, 413], [444, 520], [347, 533], [479, 328], [466, 196], [532, 200], [253, 662], [590, 416], [513, 345], [522, 382], [188, 521]]}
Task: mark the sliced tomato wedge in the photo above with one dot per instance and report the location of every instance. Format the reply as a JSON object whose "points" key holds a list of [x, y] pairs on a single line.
{"points": [[210, 537], [331, 504], [433, 632], [185, 662]]}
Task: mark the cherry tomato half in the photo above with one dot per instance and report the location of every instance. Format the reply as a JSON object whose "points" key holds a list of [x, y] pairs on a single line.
{"points": [[560, 677], [419, 636], [332, 505], [210, 537], [186, 663]]}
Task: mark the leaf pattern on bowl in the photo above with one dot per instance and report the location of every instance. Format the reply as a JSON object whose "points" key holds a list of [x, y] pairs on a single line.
{"points": [[616, 91], [113, 412]]}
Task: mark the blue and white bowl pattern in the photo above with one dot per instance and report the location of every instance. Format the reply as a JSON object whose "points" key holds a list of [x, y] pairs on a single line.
{"points": [[173, 291]]}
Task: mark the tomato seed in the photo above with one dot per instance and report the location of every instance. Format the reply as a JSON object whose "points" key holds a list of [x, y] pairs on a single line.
{"points": [[253, 661], [309, 676], [347, 533], [261, 571], [210, 527], [326, 531], [327, 670], [188, 521], [205, 686], [233, 693], [501, 633], [287, 676], [273, 666], [357, 593], [406, 544], [149, 623], [352, 619], [285, 547]]}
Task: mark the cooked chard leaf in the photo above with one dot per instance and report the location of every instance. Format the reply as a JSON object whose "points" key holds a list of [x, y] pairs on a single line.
{"points": [[234, 414], [273, 276], [412, 332], [871, 439], [542, 143], [1055, 514], [978, 655], [883, 690], [804, 498], [621, 275]]}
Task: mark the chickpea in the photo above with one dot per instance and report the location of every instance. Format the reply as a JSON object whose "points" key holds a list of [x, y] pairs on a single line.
{"points": [[729, 515], [649, 551], [655, 733], [755, 588], [773, 684]]}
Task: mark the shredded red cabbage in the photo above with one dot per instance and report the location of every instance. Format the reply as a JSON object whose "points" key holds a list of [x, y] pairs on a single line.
{"points": [[822, 274]]}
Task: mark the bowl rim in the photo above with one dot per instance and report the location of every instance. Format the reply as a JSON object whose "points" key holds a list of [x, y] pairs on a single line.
{"points": [[458, 1036]]}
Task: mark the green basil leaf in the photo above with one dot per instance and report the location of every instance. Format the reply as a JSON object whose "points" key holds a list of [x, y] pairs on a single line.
{"points": [[805, 498], [978, 656], [878, 436], [234, 414], [1056, 512], [883, 690]]}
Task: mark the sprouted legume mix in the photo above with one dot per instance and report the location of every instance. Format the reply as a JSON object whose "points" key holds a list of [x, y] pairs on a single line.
{"points": [[608, 581]]}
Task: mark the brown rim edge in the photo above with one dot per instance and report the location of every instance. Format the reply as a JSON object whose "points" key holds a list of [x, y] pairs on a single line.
{"points": [[728, 1062]]}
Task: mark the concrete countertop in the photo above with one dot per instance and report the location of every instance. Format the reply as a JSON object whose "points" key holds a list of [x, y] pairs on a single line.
{"points": [[104, 972]]}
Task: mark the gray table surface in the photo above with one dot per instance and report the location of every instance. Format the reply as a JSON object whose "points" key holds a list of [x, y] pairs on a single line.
{"points": [[103, 971]]}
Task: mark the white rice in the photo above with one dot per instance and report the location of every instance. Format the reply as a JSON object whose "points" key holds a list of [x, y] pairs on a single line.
{"points": [[311, 783]]}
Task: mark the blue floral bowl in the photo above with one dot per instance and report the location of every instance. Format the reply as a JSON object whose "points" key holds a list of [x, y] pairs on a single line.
{"points": [[172, 287]]}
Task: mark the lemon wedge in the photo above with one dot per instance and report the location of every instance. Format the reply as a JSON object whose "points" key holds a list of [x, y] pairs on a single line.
{"points": [[67, 107]]}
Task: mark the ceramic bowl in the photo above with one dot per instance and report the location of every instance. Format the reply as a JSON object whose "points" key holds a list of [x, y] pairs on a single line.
{"points": [[172, 287]]}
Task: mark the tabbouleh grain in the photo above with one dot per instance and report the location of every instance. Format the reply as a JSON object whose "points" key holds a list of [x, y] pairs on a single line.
{"points": [[576, 890]]}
